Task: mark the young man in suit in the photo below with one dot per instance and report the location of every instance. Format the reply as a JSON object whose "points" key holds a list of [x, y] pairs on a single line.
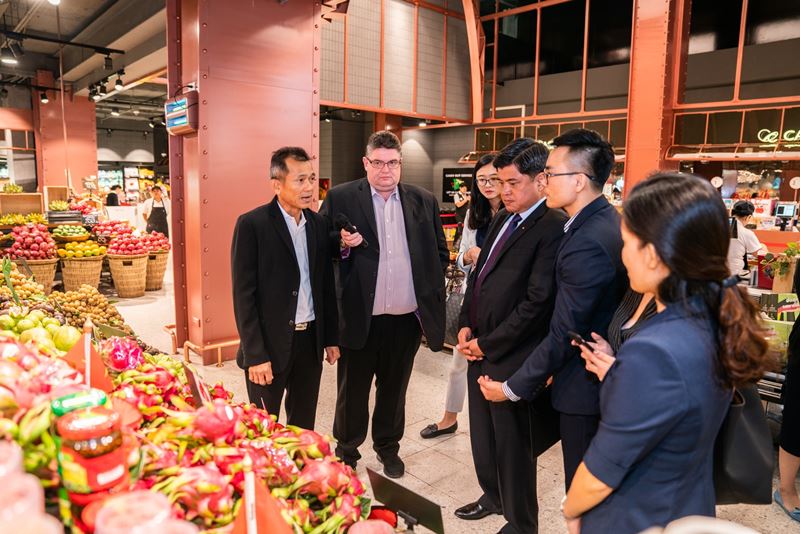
{"points": [[506, 312], [590, 281], [391, 290], [284, 297]]}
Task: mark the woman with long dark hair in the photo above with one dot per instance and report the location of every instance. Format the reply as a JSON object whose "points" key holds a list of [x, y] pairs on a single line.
{"points": [[664, 398], [484, 205]]}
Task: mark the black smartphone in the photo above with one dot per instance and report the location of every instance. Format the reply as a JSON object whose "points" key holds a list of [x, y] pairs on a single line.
{"points": [[577, 338]]}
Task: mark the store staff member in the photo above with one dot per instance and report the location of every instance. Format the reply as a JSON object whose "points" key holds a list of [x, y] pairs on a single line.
{"points": [[155, 212], [284, 298], [392, 289], [743, 240], [112, 199]]}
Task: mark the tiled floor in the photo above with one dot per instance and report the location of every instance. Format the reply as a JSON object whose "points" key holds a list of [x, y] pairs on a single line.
{"points": [[441, 469]]}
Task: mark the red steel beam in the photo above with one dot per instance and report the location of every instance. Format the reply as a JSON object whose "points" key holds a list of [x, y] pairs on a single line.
{"points": [[444, 70], [585, 55], [475, 63], [737, 80], [401, 112]]}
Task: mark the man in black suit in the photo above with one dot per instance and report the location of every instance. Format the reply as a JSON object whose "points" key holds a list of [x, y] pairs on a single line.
{"points": [[284, 296], [391, 290], [506, 312], [590, 281]]}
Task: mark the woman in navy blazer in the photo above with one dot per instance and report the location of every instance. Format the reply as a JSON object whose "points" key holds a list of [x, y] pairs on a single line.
{"points": [[664, 398]]}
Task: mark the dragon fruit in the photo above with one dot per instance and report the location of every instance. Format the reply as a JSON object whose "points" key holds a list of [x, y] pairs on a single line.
{"points": [[216, 421], [121, 353], [304, 443], [345, 511], [325, 479]]}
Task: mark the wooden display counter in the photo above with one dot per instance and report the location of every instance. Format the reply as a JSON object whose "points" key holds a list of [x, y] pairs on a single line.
{"points": [[21, 203]]}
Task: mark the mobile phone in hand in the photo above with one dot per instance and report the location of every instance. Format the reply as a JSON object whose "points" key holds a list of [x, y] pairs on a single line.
{"points": [[577, 338]]}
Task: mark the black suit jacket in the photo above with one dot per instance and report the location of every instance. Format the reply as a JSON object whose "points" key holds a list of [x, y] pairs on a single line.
{"points": [[358, 272], [518, 293], [266, 280], [590, 282]]}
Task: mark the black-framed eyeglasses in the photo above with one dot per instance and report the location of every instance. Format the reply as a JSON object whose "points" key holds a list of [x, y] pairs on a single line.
{"points": [[378, 164], [548, 175], [488, 181]]}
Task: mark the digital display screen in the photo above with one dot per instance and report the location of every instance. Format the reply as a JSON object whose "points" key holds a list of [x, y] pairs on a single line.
{"points": [[785, 209], [179, 105], [180, 120]]}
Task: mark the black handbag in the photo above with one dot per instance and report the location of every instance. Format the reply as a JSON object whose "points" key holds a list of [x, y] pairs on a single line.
{"points": [[743, 455], [452, 313]]}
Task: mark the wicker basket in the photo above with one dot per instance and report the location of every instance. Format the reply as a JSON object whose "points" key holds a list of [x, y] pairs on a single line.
{"points": [[79, 271], [44, 272], [156, 267], [129, 274]]}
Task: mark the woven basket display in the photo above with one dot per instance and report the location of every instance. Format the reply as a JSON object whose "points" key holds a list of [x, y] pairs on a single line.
{"points": [[44, 272], [129, 274], [156, 267], [79, 271]]}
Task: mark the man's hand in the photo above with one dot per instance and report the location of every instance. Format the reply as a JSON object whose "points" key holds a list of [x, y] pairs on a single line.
{"points": [[260, 374], [492, 390], [464, 335], [350, 240], [332, 354], [471, 350]]}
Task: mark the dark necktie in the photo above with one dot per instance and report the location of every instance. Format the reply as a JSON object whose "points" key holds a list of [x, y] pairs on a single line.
{"points": [[490, 261]]}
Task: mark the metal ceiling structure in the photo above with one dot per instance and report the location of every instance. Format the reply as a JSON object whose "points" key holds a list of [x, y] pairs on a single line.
{"points": [[135, 27]]}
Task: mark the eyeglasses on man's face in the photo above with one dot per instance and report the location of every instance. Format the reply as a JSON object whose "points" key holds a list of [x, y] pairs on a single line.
{"points": [[548, 175], [377, 164]]}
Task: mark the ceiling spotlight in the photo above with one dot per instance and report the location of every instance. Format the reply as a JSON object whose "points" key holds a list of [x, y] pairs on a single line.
{"points": [[54, 2], [108, 132], [108, 64], [7, 57], [135, 112], [102, 88], [423, 123], [43, 98], [96, 96], [114, 112], [118, 85], [151, 124]]}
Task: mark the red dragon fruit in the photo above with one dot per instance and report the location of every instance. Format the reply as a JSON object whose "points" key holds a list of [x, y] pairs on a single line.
{"points": [[215, 421], [203, 491], [304, 443], [121, 354], [345, 511], [324, 479]]}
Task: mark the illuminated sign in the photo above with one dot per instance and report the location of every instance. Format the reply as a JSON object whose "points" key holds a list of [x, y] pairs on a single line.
{"points": [[181, 113], [772, 136]]}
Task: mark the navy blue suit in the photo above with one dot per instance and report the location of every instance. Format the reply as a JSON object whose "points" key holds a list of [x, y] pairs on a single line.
{"points": [[590, 282], [661, 409]]}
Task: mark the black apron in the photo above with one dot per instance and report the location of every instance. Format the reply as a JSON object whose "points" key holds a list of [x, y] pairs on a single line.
{"points": [[157, 221]]}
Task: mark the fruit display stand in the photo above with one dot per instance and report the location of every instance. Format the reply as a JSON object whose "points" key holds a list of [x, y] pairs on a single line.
{"points": [[156, 268], [129, 273], [79, 271], [22, 203], [44, 272]]}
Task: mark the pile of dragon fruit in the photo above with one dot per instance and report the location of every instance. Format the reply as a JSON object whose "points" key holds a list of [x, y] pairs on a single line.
{"points": [[194, 456]]}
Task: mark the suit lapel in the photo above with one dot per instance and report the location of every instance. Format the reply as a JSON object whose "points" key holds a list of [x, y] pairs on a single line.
{"points": [[281, 228], [365, 199], [311, 241], [524, 227], [409, 213]]}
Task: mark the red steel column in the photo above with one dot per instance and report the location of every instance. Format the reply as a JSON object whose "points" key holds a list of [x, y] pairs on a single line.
{"points": [[654, 57], [256, 66]]}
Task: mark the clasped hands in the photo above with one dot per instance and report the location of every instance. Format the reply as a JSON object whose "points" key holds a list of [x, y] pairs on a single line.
{"points": [[261, 374], [469, 348]]}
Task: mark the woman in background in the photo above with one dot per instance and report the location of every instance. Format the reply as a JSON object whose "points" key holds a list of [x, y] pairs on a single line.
{"points": [[485, 203]]}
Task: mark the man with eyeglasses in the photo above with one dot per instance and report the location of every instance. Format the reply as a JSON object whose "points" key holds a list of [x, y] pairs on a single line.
{"points": [[392, 260], [284, 297], [505, 315], [590, 282]]}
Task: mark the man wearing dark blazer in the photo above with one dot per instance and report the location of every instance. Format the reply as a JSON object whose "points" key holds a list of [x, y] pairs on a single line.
{"points": [[590, 282], [284, 297], [505, 315], [391, 291]]}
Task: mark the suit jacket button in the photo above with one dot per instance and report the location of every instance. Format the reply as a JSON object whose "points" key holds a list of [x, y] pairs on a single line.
{"points": [[291, 323], [294, 293]]}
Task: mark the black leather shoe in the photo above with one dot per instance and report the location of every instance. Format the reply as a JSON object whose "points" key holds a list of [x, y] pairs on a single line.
{"points": [[472, 511], [433, 430], [393, 466]]}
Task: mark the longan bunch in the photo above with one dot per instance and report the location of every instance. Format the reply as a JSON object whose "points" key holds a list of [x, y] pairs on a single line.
{"points": [[25, 287], [87, 303]]}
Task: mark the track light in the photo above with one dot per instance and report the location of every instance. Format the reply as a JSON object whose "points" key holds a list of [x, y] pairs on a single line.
{"points": [[43, 98], [118, 85], [135, 111], [7, 57], [114, 112], [151, 124], [423, 123], [108, 64], [102, 88]]}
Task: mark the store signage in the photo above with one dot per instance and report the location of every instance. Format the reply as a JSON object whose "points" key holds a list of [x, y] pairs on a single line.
{"points": [[452, 178], [771, 136]]}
